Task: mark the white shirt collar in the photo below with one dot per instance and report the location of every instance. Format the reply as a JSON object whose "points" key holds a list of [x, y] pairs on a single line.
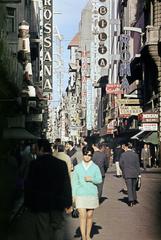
{"points": [[87, 165]]}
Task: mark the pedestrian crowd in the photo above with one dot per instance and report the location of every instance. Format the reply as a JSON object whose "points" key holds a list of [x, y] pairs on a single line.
{"points": [[55, 179]]}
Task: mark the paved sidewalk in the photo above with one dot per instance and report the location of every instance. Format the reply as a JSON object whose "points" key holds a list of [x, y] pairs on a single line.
{"points": [[114, 220]]}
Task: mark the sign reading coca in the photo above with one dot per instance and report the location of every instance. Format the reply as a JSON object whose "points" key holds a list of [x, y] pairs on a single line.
{"points": [[47, 46]]}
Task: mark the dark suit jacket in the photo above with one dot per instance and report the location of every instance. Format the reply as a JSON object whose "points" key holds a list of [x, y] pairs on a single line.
{"points": [[47, 186], [72, 154], [101, 160], [129, 164]]}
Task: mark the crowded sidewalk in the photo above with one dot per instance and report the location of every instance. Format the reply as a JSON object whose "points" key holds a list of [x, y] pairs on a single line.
{"points": [[115, 220]]}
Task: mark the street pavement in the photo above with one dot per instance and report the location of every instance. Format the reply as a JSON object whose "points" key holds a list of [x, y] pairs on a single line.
{"points": [[115, 220]]}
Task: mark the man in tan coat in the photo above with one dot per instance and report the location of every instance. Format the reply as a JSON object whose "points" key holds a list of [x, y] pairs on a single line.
{"points": [[60, 154]]}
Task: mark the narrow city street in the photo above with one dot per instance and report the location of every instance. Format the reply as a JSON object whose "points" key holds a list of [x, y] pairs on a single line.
{"points": [[115, 220], [80, 81]]}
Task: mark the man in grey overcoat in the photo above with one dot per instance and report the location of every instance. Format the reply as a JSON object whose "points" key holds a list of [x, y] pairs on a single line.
{"points": [[130, 166]]}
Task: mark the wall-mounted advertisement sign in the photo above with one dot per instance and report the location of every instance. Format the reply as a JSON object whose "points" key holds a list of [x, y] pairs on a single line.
{"points": [[47, 46]]}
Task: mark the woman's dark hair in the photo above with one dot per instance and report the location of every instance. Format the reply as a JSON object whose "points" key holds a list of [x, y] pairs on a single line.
{"points": [[87, 149]]}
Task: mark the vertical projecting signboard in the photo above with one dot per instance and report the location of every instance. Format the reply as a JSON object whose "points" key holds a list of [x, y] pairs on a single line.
{"points": [[47, 47]]}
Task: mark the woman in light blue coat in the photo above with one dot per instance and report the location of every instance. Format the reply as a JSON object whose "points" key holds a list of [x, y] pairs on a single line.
{"points": [[85, 194]]}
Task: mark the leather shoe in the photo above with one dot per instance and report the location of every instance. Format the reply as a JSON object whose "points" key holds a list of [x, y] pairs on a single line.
{"points": [[135, 202], [130, 204]]}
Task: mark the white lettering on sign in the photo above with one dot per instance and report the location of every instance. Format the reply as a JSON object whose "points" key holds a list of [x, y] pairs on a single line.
{"points": [[47, 85], [47, 70], [47, 57], [47, 2], [47, 28], [47, 46]]}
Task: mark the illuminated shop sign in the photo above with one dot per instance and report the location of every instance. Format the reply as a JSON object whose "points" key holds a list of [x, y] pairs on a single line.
{"points": [[47, 46]]}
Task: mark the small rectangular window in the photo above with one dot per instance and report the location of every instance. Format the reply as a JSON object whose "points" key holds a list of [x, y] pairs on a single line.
{"points": [[11, 19]]}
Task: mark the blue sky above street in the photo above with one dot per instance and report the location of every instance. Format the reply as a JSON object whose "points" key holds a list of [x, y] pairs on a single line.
{"points": [[68, 22]]}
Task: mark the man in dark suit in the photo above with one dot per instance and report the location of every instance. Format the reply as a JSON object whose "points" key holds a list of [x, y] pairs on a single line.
{"points": [[100, 159], [72, 152], [48, 193], [129, 164]]}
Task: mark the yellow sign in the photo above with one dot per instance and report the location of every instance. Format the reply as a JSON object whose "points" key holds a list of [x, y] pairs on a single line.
{"points": [[128, 101]]}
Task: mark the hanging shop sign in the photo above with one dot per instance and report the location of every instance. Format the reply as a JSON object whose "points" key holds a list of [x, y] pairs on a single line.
{"points": [[113, 89], [149, 127], [95, 70], [149, 117], [99, 50], [133, 86], [128, 101], [126, 111], [125, 61], [47, 46], [84, 77], [102, 23]]}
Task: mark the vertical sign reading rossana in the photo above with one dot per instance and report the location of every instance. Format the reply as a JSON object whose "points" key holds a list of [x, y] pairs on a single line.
{"points": [[47, 47]]}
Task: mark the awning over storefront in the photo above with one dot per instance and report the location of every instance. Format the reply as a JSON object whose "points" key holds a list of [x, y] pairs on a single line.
{"points": [[139, 135], [151, 137], [18, 133], [147, 136]]}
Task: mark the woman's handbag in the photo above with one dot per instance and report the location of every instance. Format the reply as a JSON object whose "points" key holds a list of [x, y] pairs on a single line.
{"points": [[138, 183], [75, 213]]}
